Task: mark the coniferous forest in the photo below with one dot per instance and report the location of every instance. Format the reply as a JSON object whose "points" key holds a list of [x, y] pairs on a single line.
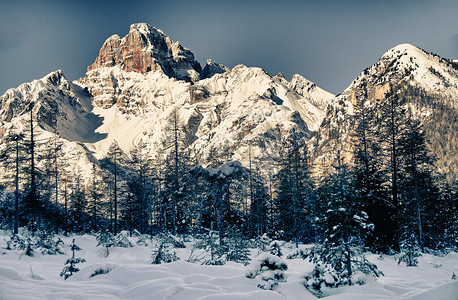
{"points": [[387, 196]]}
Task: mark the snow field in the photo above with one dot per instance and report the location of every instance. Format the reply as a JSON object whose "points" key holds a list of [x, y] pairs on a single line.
{"points": [[132, 276]]}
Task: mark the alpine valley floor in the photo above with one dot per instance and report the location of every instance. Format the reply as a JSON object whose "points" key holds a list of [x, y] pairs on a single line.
{"points": [[132, 276]]}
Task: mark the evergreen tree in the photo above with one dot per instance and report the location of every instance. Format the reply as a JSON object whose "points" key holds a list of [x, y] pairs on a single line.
{"points": [[32, 205], [294, 190], [344, 227], [114, 162], [410, 250], [95, 196], [258, 204], [141, 188], [237, 247], [449, 201], [52, 162], [174, 170], [392, 128], [162, 255], [11, 158], [370, 175], [418, 189], [70, 266], [78, 202], [220, 181]]}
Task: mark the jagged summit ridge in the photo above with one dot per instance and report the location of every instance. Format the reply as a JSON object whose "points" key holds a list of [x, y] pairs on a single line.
{"points": [[212, 68], [41, 91], [145, 49]]}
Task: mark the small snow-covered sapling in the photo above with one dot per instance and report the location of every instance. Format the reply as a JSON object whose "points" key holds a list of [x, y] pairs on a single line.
{"points": [[275, 248], [70, 265], [163, 255]]}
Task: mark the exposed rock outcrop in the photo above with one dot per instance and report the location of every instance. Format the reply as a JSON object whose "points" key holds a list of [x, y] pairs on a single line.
{"points": [[146, 49]]}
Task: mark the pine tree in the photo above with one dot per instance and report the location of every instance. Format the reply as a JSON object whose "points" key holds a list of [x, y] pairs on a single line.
{"points": [[449, 219], [162, 255], [294, 190], [107, 240], [418, 189], [370, 175], [70, 265], [174, 143], [343, 223], [95, 196], [237, 247], [114, 162], [52, 162], [32, 205], [258, 204], [219, 182], [11, 158], [78, 202], [410, 250], [141, 188], [392, 128]]}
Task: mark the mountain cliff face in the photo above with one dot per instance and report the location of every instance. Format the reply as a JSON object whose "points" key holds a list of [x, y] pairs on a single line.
{"points": [[147, 49]]}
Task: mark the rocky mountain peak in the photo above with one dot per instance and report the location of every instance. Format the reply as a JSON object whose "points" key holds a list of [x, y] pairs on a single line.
{"points": [[310, 91], [404, 65], [147, 49], [212, 68], [405, 48]]}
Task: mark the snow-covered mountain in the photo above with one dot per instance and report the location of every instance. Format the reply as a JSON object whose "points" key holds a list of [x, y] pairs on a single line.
{"points": [[418, 74], [135, 83]]}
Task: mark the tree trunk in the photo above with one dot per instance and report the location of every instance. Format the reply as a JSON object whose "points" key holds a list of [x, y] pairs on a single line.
{"points": [[16, 192]]}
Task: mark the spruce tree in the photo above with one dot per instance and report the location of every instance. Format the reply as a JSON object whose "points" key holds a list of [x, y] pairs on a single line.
{"points": [[392, 128], [78, 202], [141, 188], [344, 227], [258, 204], [11, 158], [32, 205], [95, 196], [370, 175], [70, 265], [114, 162], [418, 189], [174, 144], [294, 190]]}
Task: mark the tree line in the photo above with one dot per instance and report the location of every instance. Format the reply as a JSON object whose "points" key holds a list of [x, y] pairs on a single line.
{"points": [[388, 193]]}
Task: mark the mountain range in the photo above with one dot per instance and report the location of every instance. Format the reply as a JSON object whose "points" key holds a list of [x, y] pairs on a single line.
{"points": [[138, 81]]}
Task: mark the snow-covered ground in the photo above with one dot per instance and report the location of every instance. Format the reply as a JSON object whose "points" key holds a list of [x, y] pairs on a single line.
{"points": [[132, 276]]}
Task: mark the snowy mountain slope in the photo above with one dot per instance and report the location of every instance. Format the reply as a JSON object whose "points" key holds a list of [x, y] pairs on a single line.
{"points": [[412, 65], [228, 109], [60, 109], [310, 91], [57, 105], [212, 68], [417, 73], [136, 82]]}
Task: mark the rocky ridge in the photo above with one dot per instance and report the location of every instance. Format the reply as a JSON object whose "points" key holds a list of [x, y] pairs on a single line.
{"points": [[147, 49]]}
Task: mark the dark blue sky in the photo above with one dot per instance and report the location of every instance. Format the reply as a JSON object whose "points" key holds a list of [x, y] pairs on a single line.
{"points": [[329, 42]]}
